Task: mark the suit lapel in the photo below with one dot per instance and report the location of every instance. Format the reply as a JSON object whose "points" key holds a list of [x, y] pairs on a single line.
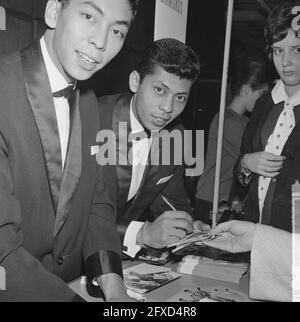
{"points": [[123, 168], [153, 173], [41, 101], [72, 169]]}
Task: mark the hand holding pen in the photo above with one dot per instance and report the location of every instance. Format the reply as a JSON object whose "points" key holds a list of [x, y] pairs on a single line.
{"points": [[197, 225], [168, 228], [183, 215]]}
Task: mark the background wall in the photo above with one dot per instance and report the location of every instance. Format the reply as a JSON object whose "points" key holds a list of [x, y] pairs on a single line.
{"points": [[24, 22]]}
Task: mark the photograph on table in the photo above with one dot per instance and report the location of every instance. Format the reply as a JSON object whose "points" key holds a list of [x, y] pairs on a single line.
{"points": [[144, 277], [209, 294]]}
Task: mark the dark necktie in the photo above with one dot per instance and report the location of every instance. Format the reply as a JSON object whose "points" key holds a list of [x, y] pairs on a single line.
{"points": [[65, 92], [69, 93]]}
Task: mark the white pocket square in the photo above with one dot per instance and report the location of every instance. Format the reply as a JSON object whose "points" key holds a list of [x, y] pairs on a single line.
{"points": [[94, 149], [164, 180]]}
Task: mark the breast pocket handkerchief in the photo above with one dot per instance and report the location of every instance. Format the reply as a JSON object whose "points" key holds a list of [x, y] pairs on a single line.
{"points": [[164, 180]]}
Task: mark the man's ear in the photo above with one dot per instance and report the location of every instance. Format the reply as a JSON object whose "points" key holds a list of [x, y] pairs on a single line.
{"points": [[134, 81], [51, 13]]}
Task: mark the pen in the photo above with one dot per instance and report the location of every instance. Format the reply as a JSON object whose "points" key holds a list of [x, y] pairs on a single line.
{"points": [[168, 202]]}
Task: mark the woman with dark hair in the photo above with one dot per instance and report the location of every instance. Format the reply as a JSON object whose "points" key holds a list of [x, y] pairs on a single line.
{"points": [[248, 83], [270, 153]]}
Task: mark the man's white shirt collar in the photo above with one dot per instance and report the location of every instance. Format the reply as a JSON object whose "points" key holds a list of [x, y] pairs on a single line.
{"points": [[57, 81], [279, 95]]}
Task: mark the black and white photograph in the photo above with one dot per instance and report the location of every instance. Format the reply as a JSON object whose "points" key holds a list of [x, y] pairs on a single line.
{"points": [[149, 153]]}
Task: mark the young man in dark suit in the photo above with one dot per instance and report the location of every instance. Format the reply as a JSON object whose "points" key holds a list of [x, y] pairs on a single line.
{"points": [[270, 160], [56, 218], [161, 86]]}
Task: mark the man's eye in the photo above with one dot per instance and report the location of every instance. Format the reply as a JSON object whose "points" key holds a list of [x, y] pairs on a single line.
{"points": [[181, 99], [158, 90], [297, 50], [87, 16], [118, 33]]}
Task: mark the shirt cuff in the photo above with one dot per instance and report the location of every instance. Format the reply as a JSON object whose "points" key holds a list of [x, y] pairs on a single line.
{"points": [[130, 246], [101, 263]]}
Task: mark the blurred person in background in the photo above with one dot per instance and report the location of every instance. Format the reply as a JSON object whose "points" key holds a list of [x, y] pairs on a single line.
{"points": [[248, 82]]}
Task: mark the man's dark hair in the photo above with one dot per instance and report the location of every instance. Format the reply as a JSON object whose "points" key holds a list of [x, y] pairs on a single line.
{"points": [[279, 23], [173, 56], [248, 69], [133, 4]]}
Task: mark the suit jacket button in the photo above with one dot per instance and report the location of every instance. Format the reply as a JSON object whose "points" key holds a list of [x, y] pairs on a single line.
{"points": [[60, 261]]}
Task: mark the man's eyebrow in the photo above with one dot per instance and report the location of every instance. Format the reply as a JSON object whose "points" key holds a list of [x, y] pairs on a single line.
{"points": [[167, 87], [164, 85], [100, 11], [93, 5], [123, 22]]}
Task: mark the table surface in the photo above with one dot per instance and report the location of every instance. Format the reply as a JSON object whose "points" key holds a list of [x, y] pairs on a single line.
{"points": [[169, 292]]}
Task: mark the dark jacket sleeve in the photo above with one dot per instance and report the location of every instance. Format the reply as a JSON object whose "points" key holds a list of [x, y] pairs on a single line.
{"points": [[102, 248], [26, 277], [250, 140]]}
